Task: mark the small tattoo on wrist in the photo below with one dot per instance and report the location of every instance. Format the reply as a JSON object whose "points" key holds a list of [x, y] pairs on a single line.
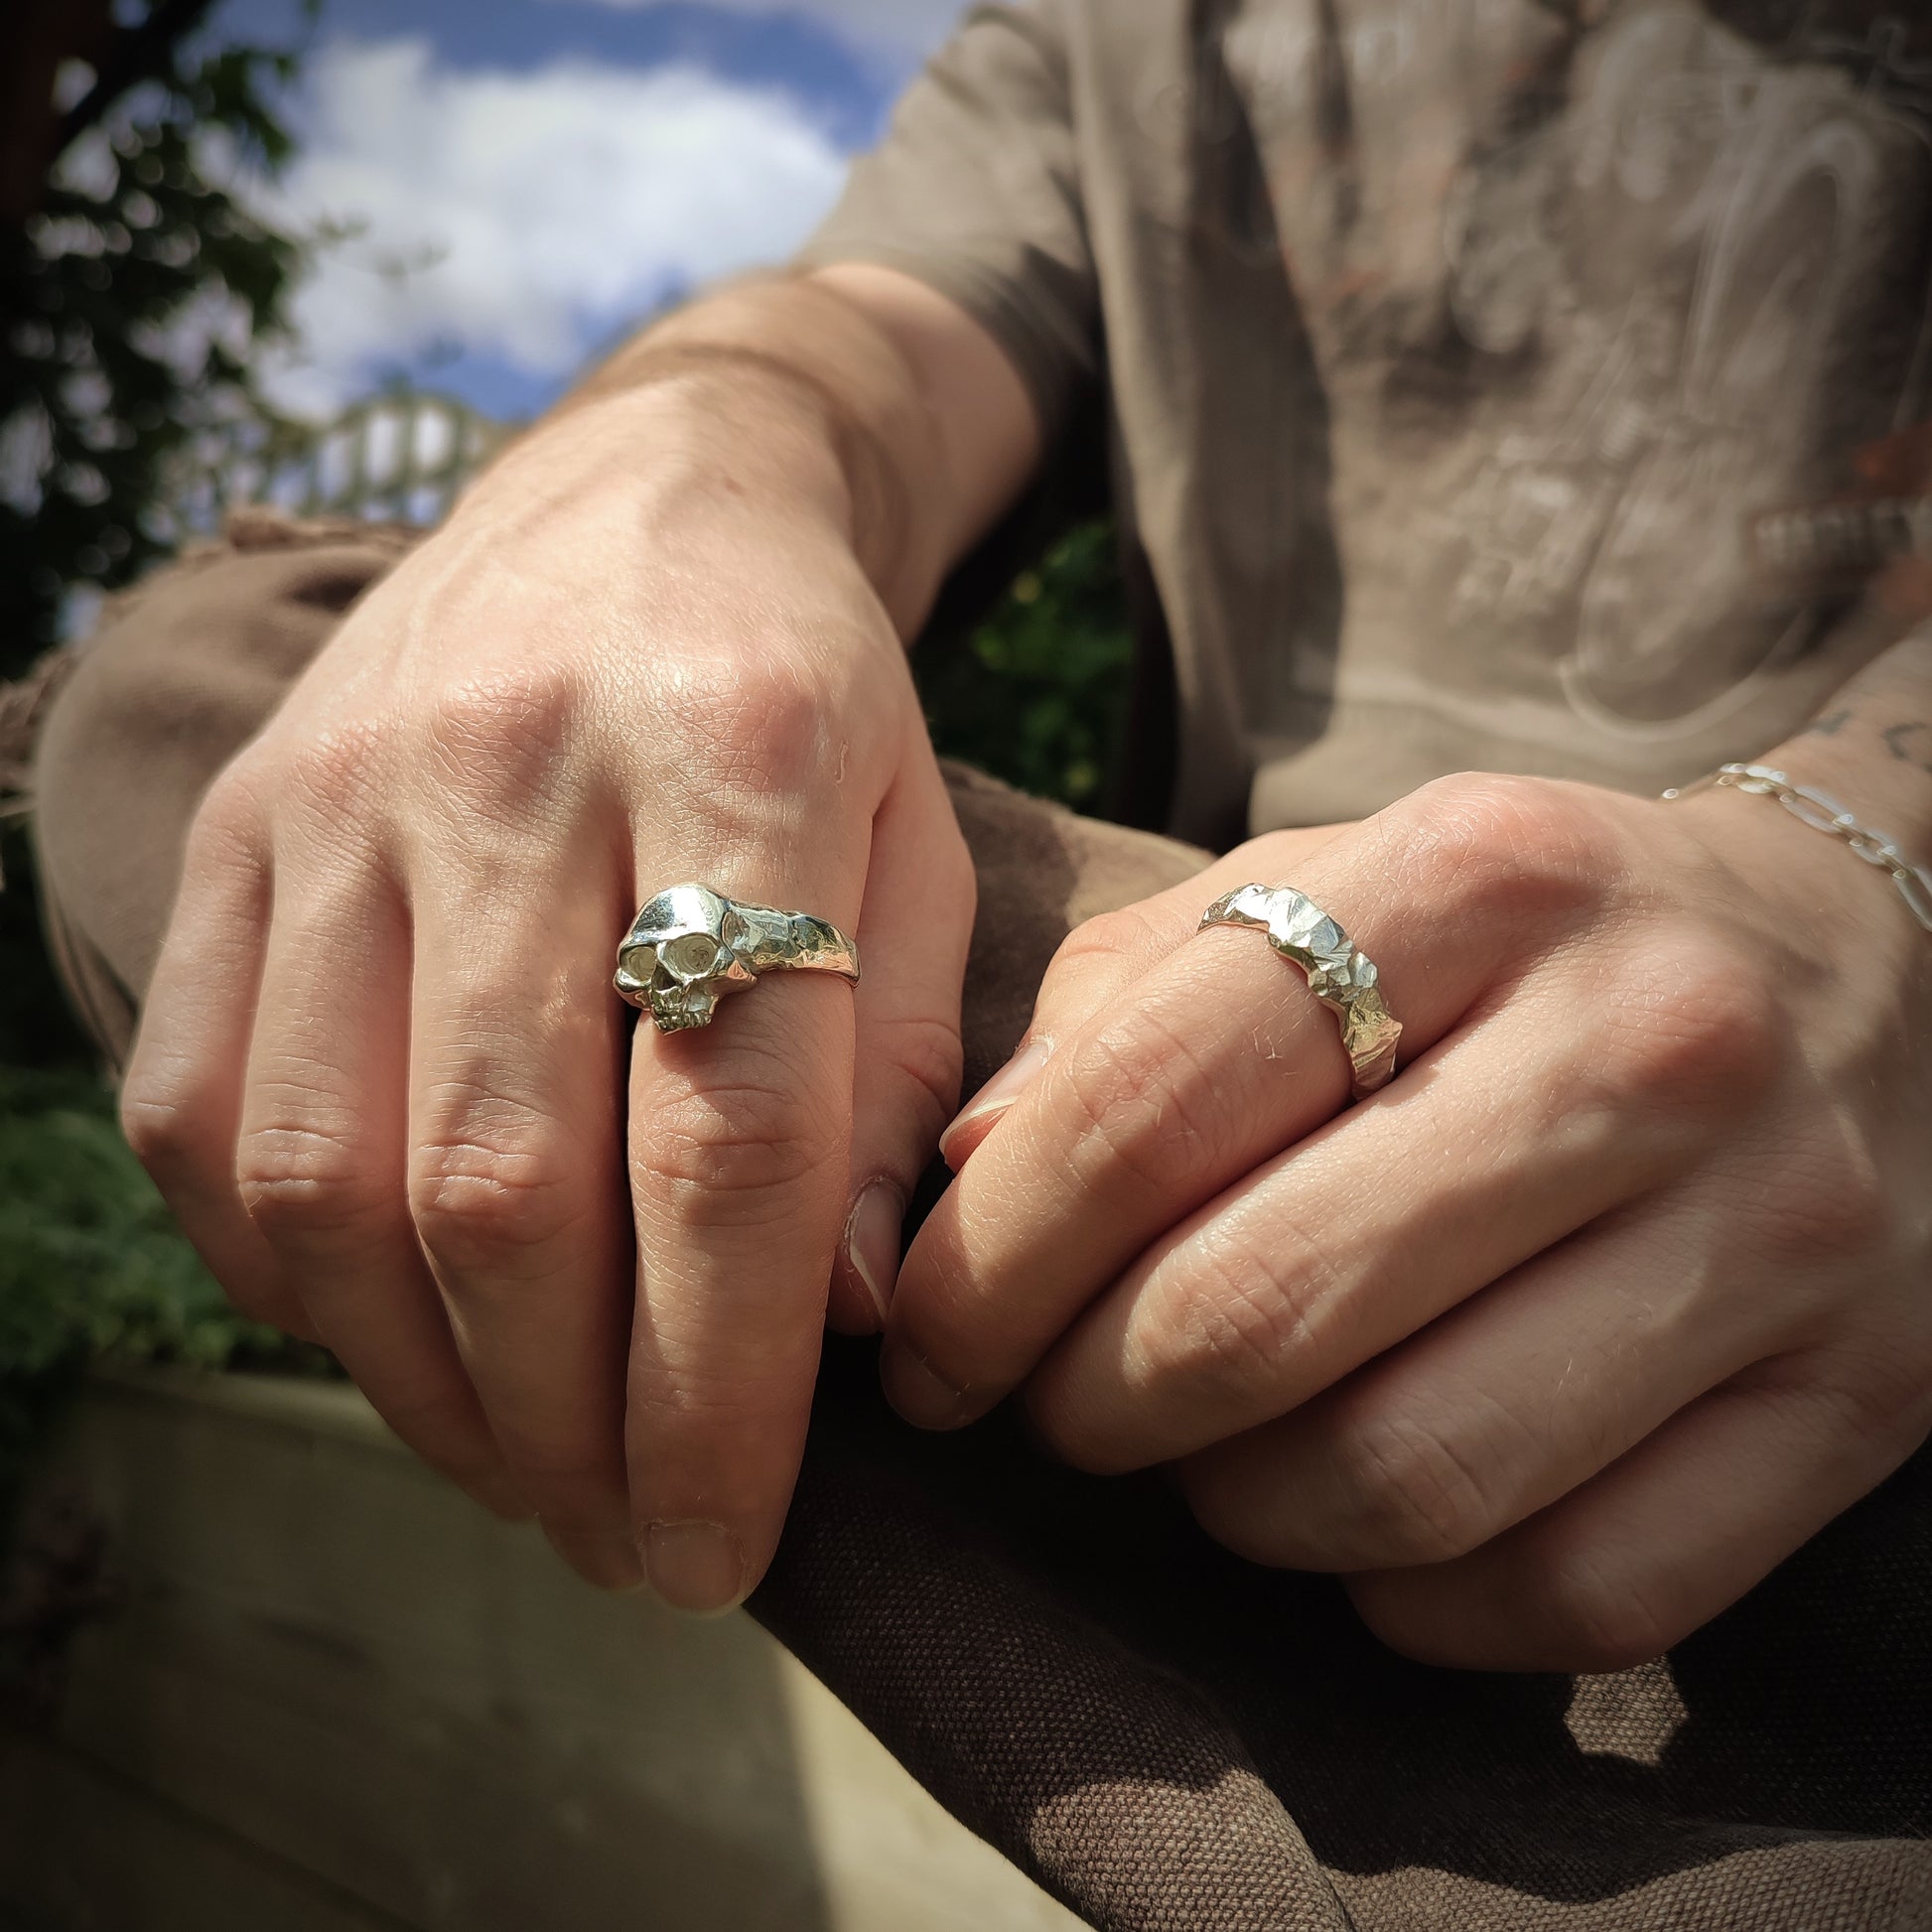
{"points": [[1896, 736]]}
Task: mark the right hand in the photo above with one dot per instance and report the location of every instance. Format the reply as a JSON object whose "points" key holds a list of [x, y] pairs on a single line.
{"points": [[382, 1075]]}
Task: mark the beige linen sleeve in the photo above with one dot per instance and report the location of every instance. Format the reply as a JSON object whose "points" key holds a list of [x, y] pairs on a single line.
{"points": [[975, 191]]}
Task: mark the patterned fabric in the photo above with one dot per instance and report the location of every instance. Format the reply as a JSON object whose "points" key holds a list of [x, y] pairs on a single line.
{"points": [[1522, 385]]}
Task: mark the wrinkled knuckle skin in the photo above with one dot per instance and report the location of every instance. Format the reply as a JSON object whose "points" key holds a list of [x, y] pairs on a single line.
{"points": [[503, 739], [164, 1130], [930, 1054], [1144, 1104], [337, 778], [233, 809], [1586, 1619], [727, 1157], [1407, 1496], [1827, 1206], [1105, 939], [764, 726], [1872, 1389], [1244, 1325], [479, 1202], [299, 1185]]}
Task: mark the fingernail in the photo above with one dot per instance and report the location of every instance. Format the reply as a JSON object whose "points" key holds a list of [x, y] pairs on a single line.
{"points": [[871, 1241], [695, 1567], [976, 1120], [923, 1397], [608, 1562]]}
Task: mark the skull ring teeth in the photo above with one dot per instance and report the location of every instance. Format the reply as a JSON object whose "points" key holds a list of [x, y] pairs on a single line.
{"points": [[690, 945]]}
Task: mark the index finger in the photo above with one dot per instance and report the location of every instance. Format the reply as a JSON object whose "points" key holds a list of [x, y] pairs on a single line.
{"points": [[1201, 1067], [738, 1137]]}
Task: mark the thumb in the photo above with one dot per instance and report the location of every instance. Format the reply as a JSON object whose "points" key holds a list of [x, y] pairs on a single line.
{"points": [[914, 932]]}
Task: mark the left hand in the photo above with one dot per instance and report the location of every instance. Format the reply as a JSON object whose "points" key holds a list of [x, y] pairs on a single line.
{"points": [[1617, 1294]]}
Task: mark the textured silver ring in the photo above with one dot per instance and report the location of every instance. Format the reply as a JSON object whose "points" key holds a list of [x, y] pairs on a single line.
{"points": [[1340, 976], [690, 945]]}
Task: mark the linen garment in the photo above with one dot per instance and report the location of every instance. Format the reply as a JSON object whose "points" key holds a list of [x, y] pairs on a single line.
{"points": [[1523, 385]]}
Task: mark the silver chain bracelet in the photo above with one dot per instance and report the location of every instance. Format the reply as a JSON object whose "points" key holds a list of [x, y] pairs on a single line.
{"points": [[1825, 814]]}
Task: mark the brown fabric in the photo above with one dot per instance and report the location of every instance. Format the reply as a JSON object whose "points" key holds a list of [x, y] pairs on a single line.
{"points": [[1169, 1739], [181, 673], [1522, 385]]}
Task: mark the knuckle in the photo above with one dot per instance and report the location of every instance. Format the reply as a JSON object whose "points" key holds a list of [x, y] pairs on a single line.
{"points": [[1827, 1202], [1696, 1030], [721, 1156], [1500, 845], [1407, 1495], [1145, 1103], [1104, 940], [928, 1052], [1243, 1321], [1872, 1390], [1108, 935], [1592, 1618], [300, 1182], [506, 735], [336, 774], [165, 1131], [763, 724], [479, 1195], [233, 808]]}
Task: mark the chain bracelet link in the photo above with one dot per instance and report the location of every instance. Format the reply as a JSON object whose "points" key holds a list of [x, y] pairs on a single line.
{"points": [[1823, 814]]}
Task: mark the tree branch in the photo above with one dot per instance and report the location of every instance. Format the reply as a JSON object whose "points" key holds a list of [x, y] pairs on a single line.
{"points": [[142, 53]]}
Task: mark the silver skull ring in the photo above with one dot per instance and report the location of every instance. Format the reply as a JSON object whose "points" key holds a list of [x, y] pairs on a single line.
{"points": [[690, 945]]}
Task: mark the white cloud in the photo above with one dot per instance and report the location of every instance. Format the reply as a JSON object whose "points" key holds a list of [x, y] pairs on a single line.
{"points": [[898, 26], [527, 215]]}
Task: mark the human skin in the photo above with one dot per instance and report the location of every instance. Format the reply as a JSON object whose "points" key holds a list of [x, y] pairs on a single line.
{"points": [[382, 1075], [1554, 1348]]}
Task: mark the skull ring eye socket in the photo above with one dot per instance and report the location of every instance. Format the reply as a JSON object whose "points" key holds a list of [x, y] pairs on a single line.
{"points": [[692, 955]]}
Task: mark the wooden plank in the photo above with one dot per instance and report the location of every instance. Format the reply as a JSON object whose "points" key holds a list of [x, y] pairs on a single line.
{"points": [[82, 1851], [329, 1655]]}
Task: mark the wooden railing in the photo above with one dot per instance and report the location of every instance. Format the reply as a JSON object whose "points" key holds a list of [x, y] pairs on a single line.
{"points": [[398, 457]]}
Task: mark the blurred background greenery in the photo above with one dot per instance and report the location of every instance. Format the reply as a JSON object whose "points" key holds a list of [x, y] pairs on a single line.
{"points": [[119, 433]]}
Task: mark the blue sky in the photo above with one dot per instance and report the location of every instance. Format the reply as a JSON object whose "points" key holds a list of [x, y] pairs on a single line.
{"points": [[517, 180]]}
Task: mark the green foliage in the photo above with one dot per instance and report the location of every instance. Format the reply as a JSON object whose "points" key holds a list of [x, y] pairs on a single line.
{"points": [[90, 1260], [1038, 695], [91, 1264], [132, 299]]}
